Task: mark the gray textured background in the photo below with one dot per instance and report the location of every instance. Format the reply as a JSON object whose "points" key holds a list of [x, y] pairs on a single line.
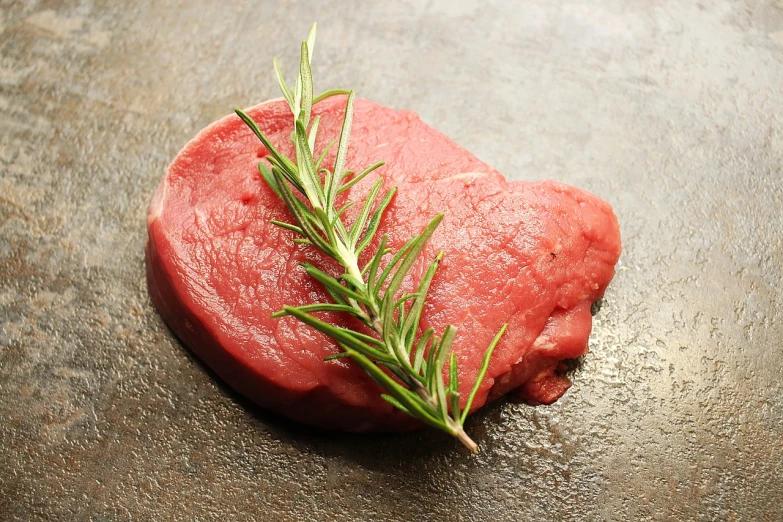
{"points": [[670, 110]]}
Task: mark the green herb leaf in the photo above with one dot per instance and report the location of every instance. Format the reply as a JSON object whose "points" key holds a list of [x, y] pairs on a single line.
{"points": [[283, 87], [342, 150], [306, 77], [482, 372], [328, 94], [356, 179]]}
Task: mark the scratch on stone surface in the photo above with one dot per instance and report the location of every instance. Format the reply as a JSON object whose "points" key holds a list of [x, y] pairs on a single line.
{"points": [[69, 28], [60, 26], [451, 9], [57, 430], [98, 38], [11, 77], [71, 373]]}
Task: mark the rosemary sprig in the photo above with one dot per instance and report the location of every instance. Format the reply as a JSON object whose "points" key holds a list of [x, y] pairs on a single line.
{"points": [[410, 369]]}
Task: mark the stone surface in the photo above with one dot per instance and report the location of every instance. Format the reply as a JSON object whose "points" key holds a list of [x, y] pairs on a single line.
{"points": [[668, 109]]}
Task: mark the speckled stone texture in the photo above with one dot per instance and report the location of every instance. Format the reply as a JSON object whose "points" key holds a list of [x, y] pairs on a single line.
{"points": [[670, 110]]}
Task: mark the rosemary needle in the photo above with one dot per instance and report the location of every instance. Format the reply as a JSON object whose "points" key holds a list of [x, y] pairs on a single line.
{"points": [[409, 368]]}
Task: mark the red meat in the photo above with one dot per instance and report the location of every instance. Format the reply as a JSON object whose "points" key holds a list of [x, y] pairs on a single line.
{"points": [[534, 255]]}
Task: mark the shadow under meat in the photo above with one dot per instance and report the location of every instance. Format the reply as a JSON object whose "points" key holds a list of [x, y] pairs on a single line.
{"points": [[406, 451]]}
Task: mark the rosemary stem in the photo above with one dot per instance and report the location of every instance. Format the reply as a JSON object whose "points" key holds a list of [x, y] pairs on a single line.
{"points": [[412, 386], [422, 392], [350, 262], [464, 438], [377, 325]]}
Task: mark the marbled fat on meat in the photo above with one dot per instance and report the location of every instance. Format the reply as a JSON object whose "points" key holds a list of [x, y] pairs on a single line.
{"points": [[534, 255]]}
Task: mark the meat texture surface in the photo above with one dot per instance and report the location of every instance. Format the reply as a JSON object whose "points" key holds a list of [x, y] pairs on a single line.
{"points": [[533, 255]]}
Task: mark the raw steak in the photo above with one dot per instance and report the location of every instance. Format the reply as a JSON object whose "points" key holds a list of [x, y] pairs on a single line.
{"points": [[535, 255]]}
